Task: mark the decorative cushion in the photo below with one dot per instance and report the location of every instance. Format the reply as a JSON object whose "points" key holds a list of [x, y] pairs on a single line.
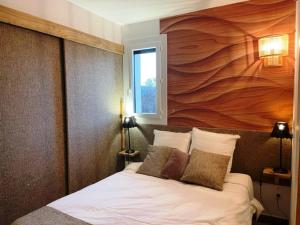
{"points": [[207, 169], [155, 160], [215, 143], [180, 141], [175, 165]]}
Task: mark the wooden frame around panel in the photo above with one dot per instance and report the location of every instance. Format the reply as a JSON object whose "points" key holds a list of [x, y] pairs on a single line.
{"points": [[14, 17], [295, 189]]}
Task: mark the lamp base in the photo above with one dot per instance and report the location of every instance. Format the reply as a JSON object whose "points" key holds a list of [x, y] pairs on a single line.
{"points": [[129, 151], [280, 170]]}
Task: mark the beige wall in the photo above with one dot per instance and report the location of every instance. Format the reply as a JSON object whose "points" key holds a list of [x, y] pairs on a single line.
{"points": [[70, 15]]}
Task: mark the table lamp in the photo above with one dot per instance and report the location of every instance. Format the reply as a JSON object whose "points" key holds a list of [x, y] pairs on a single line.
{"points": [[129, 122], [281, 130]]}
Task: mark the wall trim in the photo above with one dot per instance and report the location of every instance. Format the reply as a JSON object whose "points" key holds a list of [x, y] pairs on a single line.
{"points": [[21, 19], [296, 131]]}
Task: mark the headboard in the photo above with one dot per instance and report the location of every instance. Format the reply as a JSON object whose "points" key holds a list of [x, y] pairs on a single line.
{"points": [[254, 150]]}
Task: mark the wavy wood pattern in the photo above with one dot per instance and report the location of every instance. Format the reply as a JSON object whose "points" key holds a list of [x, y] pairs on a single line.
{"points": [[215, 77]]}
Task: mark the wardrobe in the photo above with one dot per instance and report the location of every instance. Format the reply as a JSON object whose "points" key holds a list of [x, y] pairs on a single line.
{"points": [[60, 123]]}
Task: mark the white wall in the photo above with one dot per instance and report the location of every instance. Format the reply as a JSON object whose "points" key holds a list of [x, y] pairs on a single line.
{"points": [[70, 15], [132, 32], [141, 30]]}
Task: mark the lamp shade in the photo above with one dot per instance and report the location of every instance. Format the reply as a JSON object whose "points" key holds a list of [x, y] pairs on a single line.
{"points": [[273, 45], [281, 130], [129, 122]]}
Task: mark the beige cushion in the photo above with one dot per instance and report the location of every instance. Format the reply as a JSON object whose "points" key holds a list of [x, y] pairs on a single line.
{"points": [[207, 169], [155, 160]]}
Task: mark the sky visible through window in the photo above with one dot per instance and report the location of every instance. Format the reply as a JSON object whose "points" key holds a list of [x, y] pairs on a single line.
{"points": [[148, 67], [145, 81]]}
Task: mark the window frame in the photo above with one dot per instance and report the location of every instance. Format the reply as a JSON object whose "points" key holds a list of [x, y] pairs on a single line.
{"points": [[160, 43]]}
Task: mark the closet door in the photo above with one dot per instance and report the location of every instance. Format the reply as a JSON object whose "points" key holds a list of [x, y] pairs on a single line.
{"points": [[32, 171], [94, 89]]}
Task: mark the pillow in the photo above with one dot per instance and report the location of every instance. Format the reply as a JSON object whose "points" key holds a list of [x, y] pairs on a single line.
{"points": [[180, 141], [175, 165], [133, 166], [207, 169], [213, 142], [155, 160]]}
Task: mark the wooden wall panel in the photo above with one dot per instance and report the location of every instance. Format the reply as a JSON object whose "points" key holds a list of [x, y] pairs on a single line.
{"points": [[215, 77], [31, 126], [94, 89]]}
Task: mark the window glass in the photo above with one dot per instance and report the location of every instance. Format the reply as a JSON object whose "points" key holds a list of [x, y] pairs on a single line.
{"points": [[144, 72]]}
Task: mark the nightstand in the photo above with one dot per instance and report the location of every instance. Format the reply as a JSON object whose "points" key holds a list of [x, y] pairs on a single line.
{"points": [[268, 220], [268, 171], [129, 157]]}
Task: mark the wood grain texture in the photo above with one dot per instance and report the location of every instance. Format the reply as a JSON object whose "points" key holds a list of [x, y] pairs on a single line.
{"points": [[94, 89], [25, 20], [215, 77], [31, 127]]}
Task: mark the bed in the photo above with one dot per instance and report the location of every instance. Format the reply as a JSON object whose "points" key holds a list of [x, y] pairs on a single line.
{"points": [[130, 198]]}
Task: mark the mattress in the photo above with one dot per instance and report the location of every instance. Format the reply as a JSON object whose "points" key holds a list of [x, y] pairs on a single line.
{"points": [[130, 198]]}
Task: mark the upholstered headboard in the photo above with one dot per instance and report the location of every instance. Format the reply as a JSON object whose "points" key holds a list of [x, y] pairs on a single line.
{"points": [[254, 150]]}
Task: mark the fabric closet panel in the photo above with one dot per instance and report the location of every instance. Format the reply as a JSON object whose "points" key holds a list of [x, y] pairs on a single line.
{"points": [[32, 169], [94, 88]]}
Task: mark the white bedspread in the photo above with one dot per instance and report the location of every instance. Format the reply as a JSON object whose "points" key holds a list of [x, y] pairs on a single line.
{"points": [[129, 198]]}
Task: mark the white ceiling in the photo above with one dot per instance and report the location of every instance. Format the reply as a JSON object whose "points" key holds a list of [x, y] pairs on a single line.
{"points": [[133, 11]]}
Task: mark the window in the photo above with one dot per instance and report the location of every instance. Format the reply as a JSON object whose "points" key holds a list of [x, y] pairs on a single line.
{"points": [[145, 79], [144, 73]]}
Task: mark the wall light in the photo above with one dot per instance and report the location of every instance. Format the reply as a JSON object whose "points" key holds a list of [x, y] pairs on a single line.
{"points": [[273, 48]]}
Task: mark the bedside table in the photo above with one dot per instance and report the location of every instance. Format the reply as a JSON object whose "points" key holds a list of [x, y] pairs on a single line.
{"points": [[268, 171], [129, 157]]}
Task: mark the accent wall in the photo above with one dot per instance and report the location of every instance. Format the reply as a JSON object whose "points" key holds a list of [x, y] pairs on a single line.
{"points": [[215, 76]]}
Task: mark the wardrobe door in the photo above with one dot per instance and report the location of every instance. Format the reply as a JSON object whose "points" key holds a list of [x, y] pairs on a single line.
{"points": [[94, 89], [32, 171]]}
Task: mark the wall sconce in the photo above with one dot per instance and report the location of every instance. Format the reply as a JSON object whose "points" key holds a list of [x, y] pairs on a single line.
{"points": [[273, 48]]}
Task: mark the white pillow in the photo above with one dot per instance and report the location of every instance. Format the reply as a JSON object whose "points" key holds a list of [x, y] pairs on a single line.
{"points": [[181, 141], [134, 166], [223, 144]]}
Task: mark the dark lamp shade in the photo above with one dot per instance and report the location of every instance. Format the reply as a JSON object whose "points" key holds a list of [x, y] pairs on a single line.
{"points": [[281, 130], [129, 122]]}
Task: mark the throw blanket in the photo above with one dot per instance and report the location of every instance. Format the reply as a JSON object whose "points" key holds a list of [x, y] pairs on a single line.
{"points": [[48, 216]]}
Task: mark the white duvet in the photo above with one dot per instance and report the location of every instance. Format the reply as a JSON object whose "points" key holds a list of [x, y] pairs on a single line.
{"points": [[129, 198]]}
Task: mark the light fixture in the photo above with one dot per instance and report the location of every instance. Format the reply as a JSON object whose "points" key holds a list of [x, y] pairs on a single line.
{"points": [[129, 122], [281, 130], [273, 48]]}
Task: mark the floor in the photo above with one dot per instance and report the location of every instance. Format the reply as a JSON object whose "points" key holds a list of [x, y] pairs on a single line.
{"points": [[267, 220]]}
